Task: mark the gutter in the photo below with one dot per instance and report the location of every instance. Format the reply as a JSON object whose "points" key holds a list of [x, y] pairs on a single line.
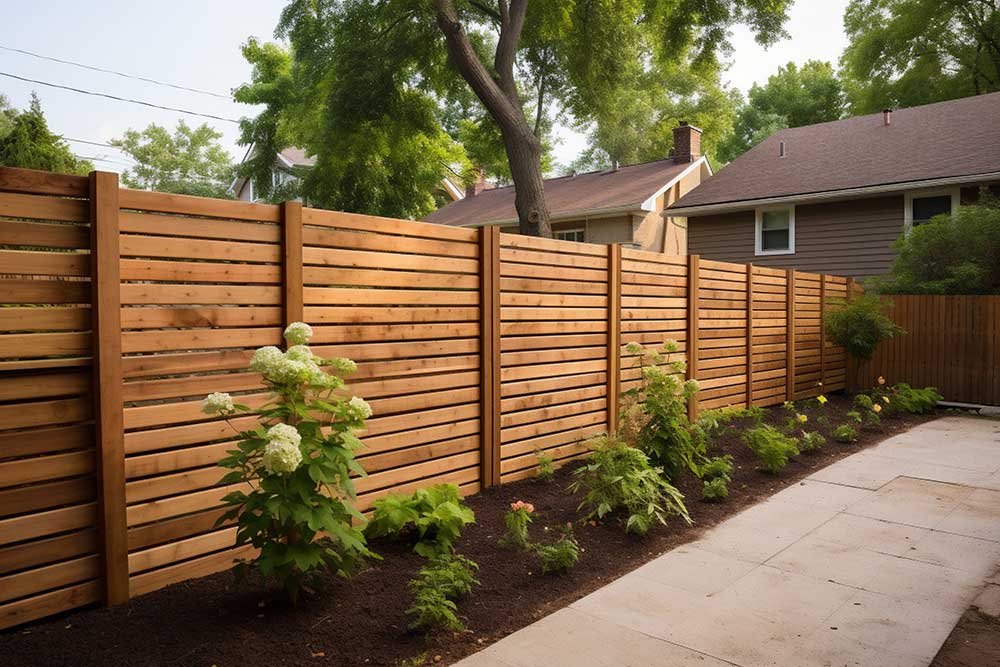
{"points": [[846, 193]]}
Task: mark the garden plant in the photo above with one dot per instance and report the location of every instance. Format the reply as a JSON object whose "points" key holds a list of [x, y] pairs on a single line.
{"points": [[434, 516]]}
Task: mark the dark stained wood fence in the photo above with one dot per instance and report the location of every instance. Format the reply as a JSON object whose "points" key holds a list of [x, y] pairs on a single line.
{"points": [[120, 310], [951, 342]]}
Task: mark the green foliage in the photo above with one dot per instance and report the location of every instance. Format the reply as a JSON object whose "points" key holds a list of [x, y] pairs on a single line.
{"points": [[855, 416], [904, 53], [517, 521], [959, 254], [845, 433], [435, 516], [904, 398], [27, 142], [860, 326], [546, 466], [298, 464], [667, 436], [719, 466], [191, 161], [811, 441], [715, 489], [561, 555], [711, 423], [771, 446], [445, 579], [793, 97], [618, 477]]}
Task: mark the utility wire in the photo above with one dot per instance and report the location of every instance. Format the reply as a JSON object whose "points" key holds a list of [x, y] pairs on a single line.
{"points": [[92, 143], [116, 73], [119, 99]]}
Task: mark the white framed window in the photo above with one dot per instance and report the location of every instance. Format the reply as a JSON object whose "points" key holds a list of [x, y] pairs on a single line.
{"points": [[919, 206], [775, 231], [570, 235]]}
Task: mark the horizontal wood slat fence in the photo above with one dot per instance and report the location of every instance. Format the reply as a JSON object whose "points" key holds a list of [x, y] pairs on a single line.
{"points": [[121, 309], [951, 342]]}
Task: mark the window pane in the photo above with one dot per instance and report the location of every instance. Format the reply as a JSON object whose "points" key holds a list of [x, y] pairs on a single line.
{"points": [[570, 235], [925, 208], [775, 219], [774, 239]]}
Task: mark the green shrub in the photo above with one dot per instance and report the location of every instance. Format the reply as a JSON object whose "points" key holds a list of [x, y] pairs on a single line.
{"points": [[666, 435], [445, 578], [914, 401], [617, 477], [298, 511], [860, 325], [719, 466], [517, 520], [855, 416], [435, 516], [715, 489], [561, 555], [845, 433], [771, 446], [546, 466], [811, 441]]}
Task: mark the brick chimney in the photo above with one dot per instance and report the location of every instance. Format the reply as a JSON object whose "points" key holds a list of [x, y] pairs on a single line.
{"points": [[477, 186], [687, 143]]}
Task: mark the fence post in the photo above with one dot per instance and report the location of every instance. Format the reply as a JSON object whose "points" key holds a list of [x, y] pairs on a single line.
{"points": [[489, 291], [107, 378], [749, 335], [822, 330], [790, 336], [614, 332], [692, 331], [292, 278]]}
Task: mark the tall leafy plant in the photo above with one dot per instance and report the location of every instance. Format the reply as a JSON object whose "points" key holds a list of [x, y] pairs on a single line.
{"points": [[295, 504], [860, 326]]}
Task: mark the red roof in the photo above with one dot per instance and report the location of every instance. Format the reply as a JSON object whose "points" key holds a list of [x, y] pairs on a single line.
{"points": [[946, 139], [628, 187]]}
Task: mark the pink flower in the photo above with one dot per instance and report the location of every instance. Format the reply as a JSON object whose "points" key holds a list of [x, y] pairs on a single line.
{"points": [[521, 505]]}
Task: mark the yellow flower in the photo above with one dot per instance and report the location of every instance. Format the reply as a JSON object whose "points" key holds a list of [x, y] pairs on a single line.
{"points": [[819, 384], [881, 380], [803, 419], [885, 399], [821, 399], [877, 408]]}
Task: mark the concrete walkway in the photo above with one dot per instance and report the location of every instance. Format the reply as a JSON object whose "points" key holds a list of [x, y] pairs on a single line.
{"points": [[870, 561]]}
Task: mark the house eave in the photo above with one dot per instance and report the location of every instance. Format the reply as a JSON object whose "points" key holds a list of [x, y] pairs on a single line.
{"points": [[591, 214], [828, 195]]}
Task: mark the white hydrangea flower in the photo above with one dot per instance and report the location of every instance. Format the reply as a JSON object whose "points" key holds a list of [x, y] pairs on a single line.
{"points": [[320, 378], [299, 353], [345, 366], [298, 333], [218, 403], [282, 453], [264, 359], [288, 371], [360, 407]]}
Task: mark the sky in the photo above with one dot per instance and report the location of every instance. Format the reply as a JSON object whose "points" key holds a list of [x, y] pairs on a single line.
{"points": [[197, 44]]}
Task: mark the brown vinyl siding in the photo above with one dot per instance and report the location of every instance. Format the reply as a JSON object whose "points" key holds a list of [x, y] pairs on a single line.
{"points": [[848, 238]]}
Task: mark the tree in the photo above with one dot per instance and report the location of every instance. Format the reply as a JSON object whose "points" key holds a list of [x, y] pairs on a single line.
{"points": [[959, 254], [28, 143], [390, 67], [191, 161], [905, 53], [793, 97]]}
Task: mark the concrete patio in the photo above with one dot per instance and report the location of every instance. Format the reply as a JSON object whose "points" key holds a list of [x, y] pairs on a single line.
{"points": [[870, 561]]}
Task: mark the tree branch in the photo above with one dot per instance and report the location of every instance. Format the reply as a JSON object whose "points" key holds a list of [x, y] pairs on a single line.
{"points": [[511, 24]]}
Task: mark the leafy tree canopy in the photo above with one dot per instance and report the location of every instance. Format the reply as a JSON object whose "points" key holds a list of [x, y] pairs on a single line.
{"points": [[793, 97], [190, 161], [373, 91], [959, 254], [904, 53], [27, 142]]}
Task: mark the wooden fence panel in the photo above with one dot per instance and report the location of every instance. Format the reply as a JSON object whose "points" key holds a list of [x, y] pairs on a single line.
{"points": [[722, 334], [553, 349], [951, 342], [769, 339], [50, 555]]}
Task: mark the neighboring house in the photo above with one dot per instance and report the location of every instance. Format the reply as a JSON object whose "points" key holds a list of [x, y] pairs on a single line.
{"points": [[293, 159], [618, 205], [832, 197]]}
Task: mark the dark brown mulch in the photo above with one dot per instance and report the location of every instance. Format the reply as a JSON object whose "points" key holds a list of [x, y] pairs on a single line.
{"points": [[975, 641], [214, 621]]}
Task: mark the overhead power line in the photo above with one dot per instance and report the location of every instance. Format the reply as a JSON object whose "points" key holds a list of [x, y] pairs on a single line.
{"points": [[116, 73], [92, 143], [119, 99]]}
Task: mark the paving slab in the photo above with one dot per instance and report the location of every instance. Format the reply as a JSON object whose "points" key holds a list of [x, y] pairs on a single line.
{"points": [[870, 561]]}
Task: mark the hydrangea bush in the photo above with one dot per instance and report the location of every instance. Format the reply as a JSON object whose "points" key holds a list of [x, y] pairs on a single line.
{"points": [[298, 512]]}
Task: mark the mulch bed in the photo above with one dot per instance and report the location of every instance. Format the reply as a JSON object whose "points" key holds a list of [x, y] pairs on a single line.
{"points": [[216, 621], [975, 641]]}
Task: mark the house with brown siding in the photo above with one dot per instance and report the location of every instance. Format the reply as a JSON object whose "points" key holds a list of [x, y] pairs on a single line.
{"points": [[833, 197], [618, 205]]}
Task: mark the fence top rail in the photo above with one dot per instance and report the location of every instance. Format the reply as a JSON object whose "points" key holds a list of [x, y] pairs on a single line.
{"points": [[160, 202], [32, 181], [372, 223], [647, 256]]}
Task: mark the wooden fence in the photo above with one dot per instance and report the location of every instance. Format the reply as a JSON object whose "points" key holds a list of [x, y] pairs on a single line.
{"points": [[121, 309], [951, 342]]}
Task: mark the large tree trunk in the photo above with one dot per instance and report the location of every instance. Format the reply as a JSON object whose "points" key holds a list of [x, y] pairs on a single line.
{"points": [[499, 96]]}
